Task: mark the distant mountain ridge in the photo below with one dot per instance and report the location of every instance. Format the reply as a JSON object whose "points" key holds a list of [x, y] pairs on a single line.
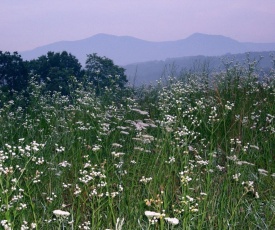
{"points": [[125, 50], [151, 71]]}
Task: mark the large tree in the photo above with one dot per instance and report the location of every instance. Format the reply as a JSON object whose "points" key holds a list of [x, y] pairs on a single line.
{"points": [[57, 71], [102, 72], [13, 72]]}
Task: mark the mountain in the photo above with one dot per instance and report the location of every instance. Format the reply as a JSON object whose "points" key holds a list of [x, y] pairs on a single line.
{"points": [[151, 71], [124, 50]]}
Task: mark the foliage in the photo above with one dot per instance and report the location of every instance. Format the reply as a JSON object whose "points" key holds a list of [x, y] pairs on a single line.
{"points": [[57, 71], [102, 72], [13, 73]]}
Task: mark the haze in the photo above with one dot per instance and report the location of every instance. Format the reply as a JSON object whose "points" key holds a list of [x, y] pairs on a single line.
{"points": [[28, 24]]}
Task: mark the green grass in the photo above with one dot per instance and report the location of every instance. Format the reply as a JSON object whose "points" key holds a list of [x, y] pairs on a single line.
{"points": [[192, 149]]}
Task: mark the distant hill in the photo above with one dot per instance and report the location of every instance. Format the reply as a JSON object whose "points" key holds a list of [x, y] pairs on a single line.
{"points": [[124, 50], [149, 72]]}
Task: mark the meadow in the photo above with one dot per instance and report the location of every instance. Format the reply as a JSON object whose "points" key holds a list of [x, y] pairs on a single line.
{"points": [[194, 153]]}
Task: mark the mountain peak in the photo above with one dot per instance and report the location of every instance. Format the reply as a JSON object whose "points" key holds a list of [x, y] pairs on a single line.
{"points": [[126, 49], [100, 36], [202, 36]]}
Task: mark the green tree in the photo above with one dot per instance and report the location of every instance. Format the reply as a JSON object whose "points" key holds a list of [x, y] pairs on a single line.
{"points": [[57, 71], [102, 72], [13, 73]]}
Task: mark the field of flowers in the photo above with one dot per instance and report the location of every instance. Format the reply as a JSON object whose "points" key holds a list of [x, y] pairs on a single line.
{"points": [[195, 153]]}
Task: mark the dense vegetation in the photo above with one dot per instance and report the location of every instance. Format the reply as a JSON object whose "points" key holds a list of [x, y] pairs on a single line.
{"points": [[57, 72], [194, 153]]}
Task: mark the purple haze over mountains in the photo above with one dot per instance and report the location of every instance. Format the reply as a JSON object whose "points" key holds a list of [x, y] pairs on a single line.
{"points": [[125, 50]]}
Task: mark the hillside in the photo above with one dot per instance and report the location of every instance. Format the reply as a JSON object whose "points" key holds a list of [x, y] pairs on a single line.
{"points": [[149, 72], [170, 157]]}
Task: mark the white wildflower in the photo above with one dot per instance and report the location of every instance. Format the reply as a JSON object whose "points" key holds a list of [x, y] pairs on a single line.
{"points": [[263, 172], [236, 176], [60, 213], [173, 221], [151, 214]]}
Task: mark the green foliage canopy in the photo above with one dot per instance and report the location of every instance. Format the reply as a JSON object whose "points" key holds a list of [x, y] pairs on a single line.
{"points": [[102, 72], [13, 72], [57, 71]]}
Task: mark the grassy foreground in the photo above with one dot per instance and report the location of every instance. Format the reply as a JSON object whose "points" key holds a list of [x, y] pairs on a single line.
{"points": [[197, 153]]}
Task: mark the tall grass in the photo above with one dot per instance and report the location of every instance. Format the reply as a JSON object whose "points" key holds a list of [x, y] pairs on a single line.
{"points": [[195, 153]]}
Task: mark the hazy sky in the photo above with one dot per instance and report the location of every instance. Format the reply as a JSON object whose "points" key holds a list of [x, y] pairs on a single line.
{"points": [[26, 24]]}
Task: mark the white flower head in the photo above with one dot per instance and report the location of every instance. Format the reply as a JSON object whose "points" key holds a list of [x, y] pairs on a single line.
{"points": [[60, 213], [173, 221], [151, 214]]}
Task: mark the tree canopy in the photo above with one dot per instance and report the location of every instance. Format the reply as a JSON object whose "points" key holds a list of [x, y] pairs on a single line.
{"points": [[59, 72], [56, 70], [13, 72], [102, 72]]}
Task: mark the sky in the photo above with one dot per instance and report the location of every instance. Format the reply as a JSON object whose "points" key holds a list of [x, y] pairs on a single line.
{"points": [[27, 24]]}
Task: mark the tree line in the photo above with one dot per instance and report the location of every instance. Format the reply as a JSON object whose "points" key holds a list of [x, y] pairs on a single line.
{"points": [[58, 72]]}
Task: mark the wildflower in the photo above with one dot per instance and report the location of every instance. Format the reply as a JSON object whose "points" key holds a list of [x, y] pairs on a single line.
{"points": [[173, 221], [236, 176], [124, 132], [202, 162], [77, 190], [148, 202], [257, 195], [64, 164], [145, 180], [263, 172], [220, 168], [119, 223], [60, 213], [193, 209], [6, 224], [59, 149], [185, 179], [171, 160], [140, 111], [151, 214], [117, 154], [244, 163], [116, 145], [96, 148], [249, 188], [191, 199]]}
